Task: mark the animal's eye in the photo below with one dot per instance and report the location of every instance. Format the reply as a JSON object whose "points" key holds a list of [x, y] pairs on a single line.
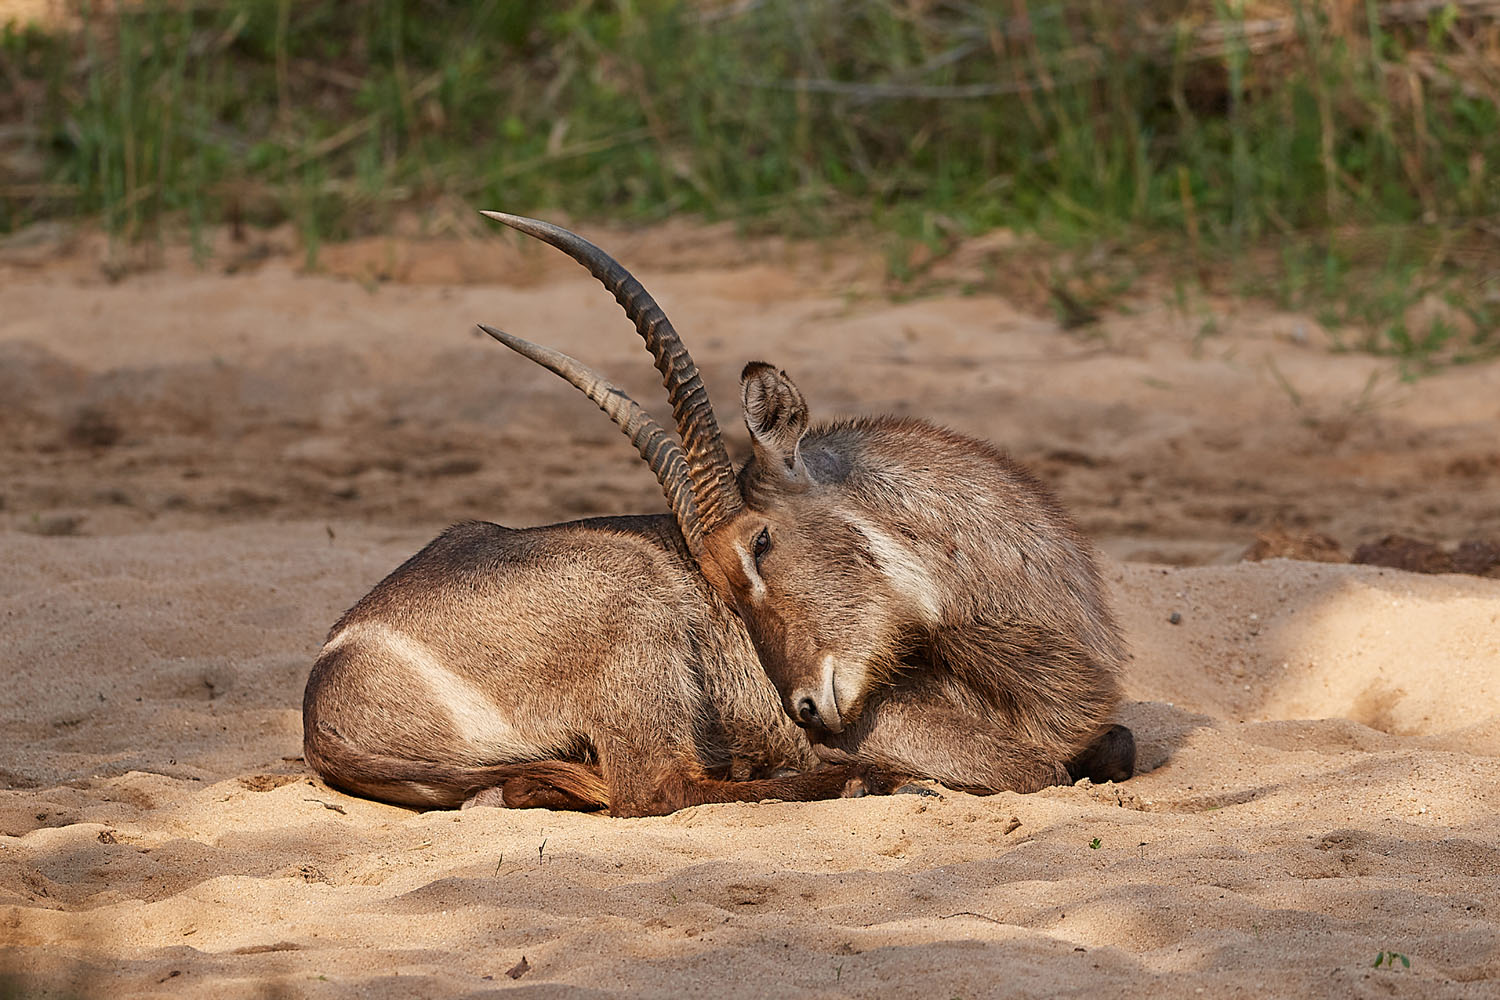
{"points": [[762, 544]]}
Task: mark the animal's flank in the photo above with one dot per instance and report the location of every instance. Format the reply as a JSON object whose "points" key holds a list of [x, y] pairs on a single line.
{"points": [[429, 784], [474, 717]]}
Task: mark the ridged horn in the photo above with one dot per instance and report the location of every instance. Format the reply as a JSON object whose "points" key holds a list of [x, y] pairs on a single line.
{"points": [[656, 446], [715, 489]]}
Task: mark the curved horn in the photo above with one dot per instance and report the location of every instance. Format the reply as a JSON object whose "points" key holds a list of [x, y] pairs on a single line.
{"points": [[714, 486], [650, 439]]}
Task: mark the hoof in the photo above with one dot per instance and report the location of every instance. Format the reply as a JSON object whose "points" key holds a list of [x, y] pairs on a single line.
{"points": [[855, 788], [487, 797], [1111, 757], [912, 788]]}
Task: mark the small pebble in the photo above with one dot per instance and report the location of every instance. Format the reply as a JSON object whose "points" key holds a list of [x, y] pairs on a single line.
{"points": [[1174, 618]]}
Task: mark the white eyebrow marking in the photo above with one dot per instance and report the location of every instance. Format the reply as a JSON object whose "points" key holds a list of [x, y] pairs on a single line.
{"points": [[903, 567], [747, 563]]}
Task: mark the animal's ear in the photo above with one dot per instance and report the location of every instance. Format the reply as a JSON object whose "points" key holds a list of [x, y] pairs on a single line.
{"points": [[776, 416]]}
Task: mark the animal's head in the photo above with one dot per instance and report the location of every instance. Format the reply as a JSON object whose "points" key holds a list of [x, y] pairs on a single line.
{"points": [[826, 592]]}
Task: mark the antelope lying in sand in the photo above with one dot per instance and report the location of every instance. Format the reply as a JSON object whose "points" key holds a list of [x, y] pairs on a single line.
{"points": [[914, 601]]}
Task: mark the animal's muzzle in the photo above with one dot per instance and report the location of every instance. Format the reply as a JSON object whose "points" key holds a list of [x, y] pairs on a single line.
{"points": [[817, 709]]}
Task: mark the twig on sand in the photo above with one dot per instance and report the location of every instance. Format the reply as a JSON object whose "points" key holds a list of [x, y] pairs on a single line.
{"points": [[971, 913], [328, 805]]}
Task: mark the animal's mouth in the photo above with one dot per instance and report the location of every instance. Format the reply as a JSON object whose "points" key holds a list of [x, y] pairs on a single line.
{"points": [[831, 704], [843, 699], [833, 720]]}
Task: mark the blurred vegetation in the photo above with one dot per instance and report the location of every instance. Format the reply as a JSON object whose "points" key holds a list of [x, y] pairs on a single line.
{"points": [[1342, 156]]}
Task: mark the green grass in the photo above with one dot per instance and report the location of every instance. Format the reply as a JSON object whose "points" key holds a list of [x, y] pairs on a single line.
{"points": [[1390, 958], [1260, 157]]}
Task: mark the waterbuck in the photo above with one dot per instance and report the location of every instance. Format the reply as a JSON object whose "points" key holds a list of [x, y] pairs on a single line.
{"points": [[911, 599]]}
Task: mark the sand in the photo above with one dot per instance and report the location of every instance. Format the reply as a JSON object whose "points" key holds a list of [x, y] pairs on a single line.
{"points": [[200, 470]]}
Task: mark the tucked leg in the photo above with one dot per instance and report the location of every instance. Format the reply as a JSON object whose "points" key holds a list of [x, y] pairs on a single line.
{"points": [[939, 731], [646, 783], [544, 784]]}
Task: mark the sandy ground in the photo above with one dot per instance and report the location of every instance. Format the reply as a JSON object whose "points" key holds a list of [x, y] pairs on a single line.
{"points": [[199, 470]]}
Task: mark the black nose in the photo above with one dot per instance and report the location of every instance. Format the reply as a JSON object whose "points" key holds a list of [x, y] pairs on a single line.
{"points": [[807, 711]]}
